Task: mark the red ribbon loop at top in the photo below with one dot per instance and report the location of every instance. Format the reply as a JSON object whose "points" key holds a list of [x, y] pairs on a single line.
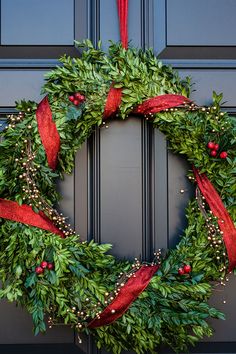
{"points": [[48, 132], [123, 21], [218, 209], [128, 294]]}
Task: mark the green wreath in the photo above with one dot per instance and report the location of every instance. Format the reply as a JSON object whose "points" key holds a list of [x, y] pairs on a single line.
{"points": [[73, 281]]}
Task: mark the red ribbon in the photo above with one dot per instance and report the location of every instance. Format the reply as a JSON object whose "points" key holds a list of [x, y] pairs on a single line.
{"points": [[48, 132], [114, 95], [160, 103], [123, 21], [113, 102], [24, 214], [127, 294], [218, 209], [151, 105]]}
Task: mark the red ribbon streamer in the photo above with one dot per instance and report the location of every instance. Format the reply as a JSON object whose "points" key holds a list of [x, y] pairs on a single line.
{"points": [[217, 207], [123, 21], [152, 105], [160, 103], [113, 102], [24, 214], [128, 294], [48, 132]]}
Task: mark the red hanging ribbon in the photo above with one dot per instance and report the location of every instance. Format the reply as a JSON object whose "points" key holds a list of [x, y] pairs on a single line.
{"points": [[24, 214], [160, 103], [114, 95], [48, 132], [128, 294], [123, 21], [218, 209]]}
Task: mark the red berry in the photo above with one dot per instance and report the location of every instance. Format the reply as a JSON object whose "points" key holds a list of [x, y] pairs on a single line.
{"points": [[181, 271], [223, 155], [39, 270], [79, 97], [217, 147], [211, 145], [187, 268], [76, 102], [71, 98], [213, 153], [44, 264], [50, 266]]}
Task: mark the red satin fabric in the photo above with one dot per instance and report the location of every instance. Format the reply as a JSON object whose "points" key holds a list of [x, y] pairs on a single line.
{"points": [[128, 294], [113, 102], [24, 214], [48, 132], [160, 103], [218, 209], [123, 21]]}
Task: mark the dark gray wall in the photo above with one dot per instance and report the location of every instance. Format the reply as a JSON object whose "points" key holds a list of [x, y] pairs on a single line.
{"points": [[126, 185]]}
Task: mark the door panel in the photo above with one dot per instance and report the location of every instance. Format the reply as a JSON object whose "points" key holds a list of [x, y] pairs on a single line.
{"points": [[42, 29], [179, 192], [16, 327], [17, 84], [207, 80], [196, 23], [29, 22], [121, 187], [193, 30]]}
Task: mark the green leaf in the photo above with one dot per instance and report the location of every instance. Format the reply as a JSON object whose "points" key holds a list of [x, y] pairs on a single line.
{"points": [[31, 280], [74, 112]]}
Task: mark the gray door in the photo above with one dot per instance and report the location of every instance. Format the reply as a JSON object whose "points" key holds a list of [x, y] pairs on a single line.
{"points": [[126, 188]]}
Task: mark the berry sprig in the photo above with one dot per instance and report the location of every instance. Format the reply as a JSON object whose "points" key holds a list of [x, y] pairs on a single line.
{"points": [[186, 269], [43, 265], [214, 150], [76, 98]]}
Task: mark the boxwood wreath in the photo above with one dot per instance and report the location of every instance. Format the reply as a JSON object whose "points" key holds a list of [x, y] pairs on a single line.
{"points": [[65, 280]]}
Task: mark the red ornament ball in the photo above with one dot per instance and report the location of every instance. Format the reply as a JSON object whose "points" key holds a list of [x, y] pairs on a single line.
{"points": [[50, 266], [213, 153], [39, 270], [44, 264], [71, 98], [223, 155], [181, 271], [211, 145], [216, 147], [187, 268]]}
